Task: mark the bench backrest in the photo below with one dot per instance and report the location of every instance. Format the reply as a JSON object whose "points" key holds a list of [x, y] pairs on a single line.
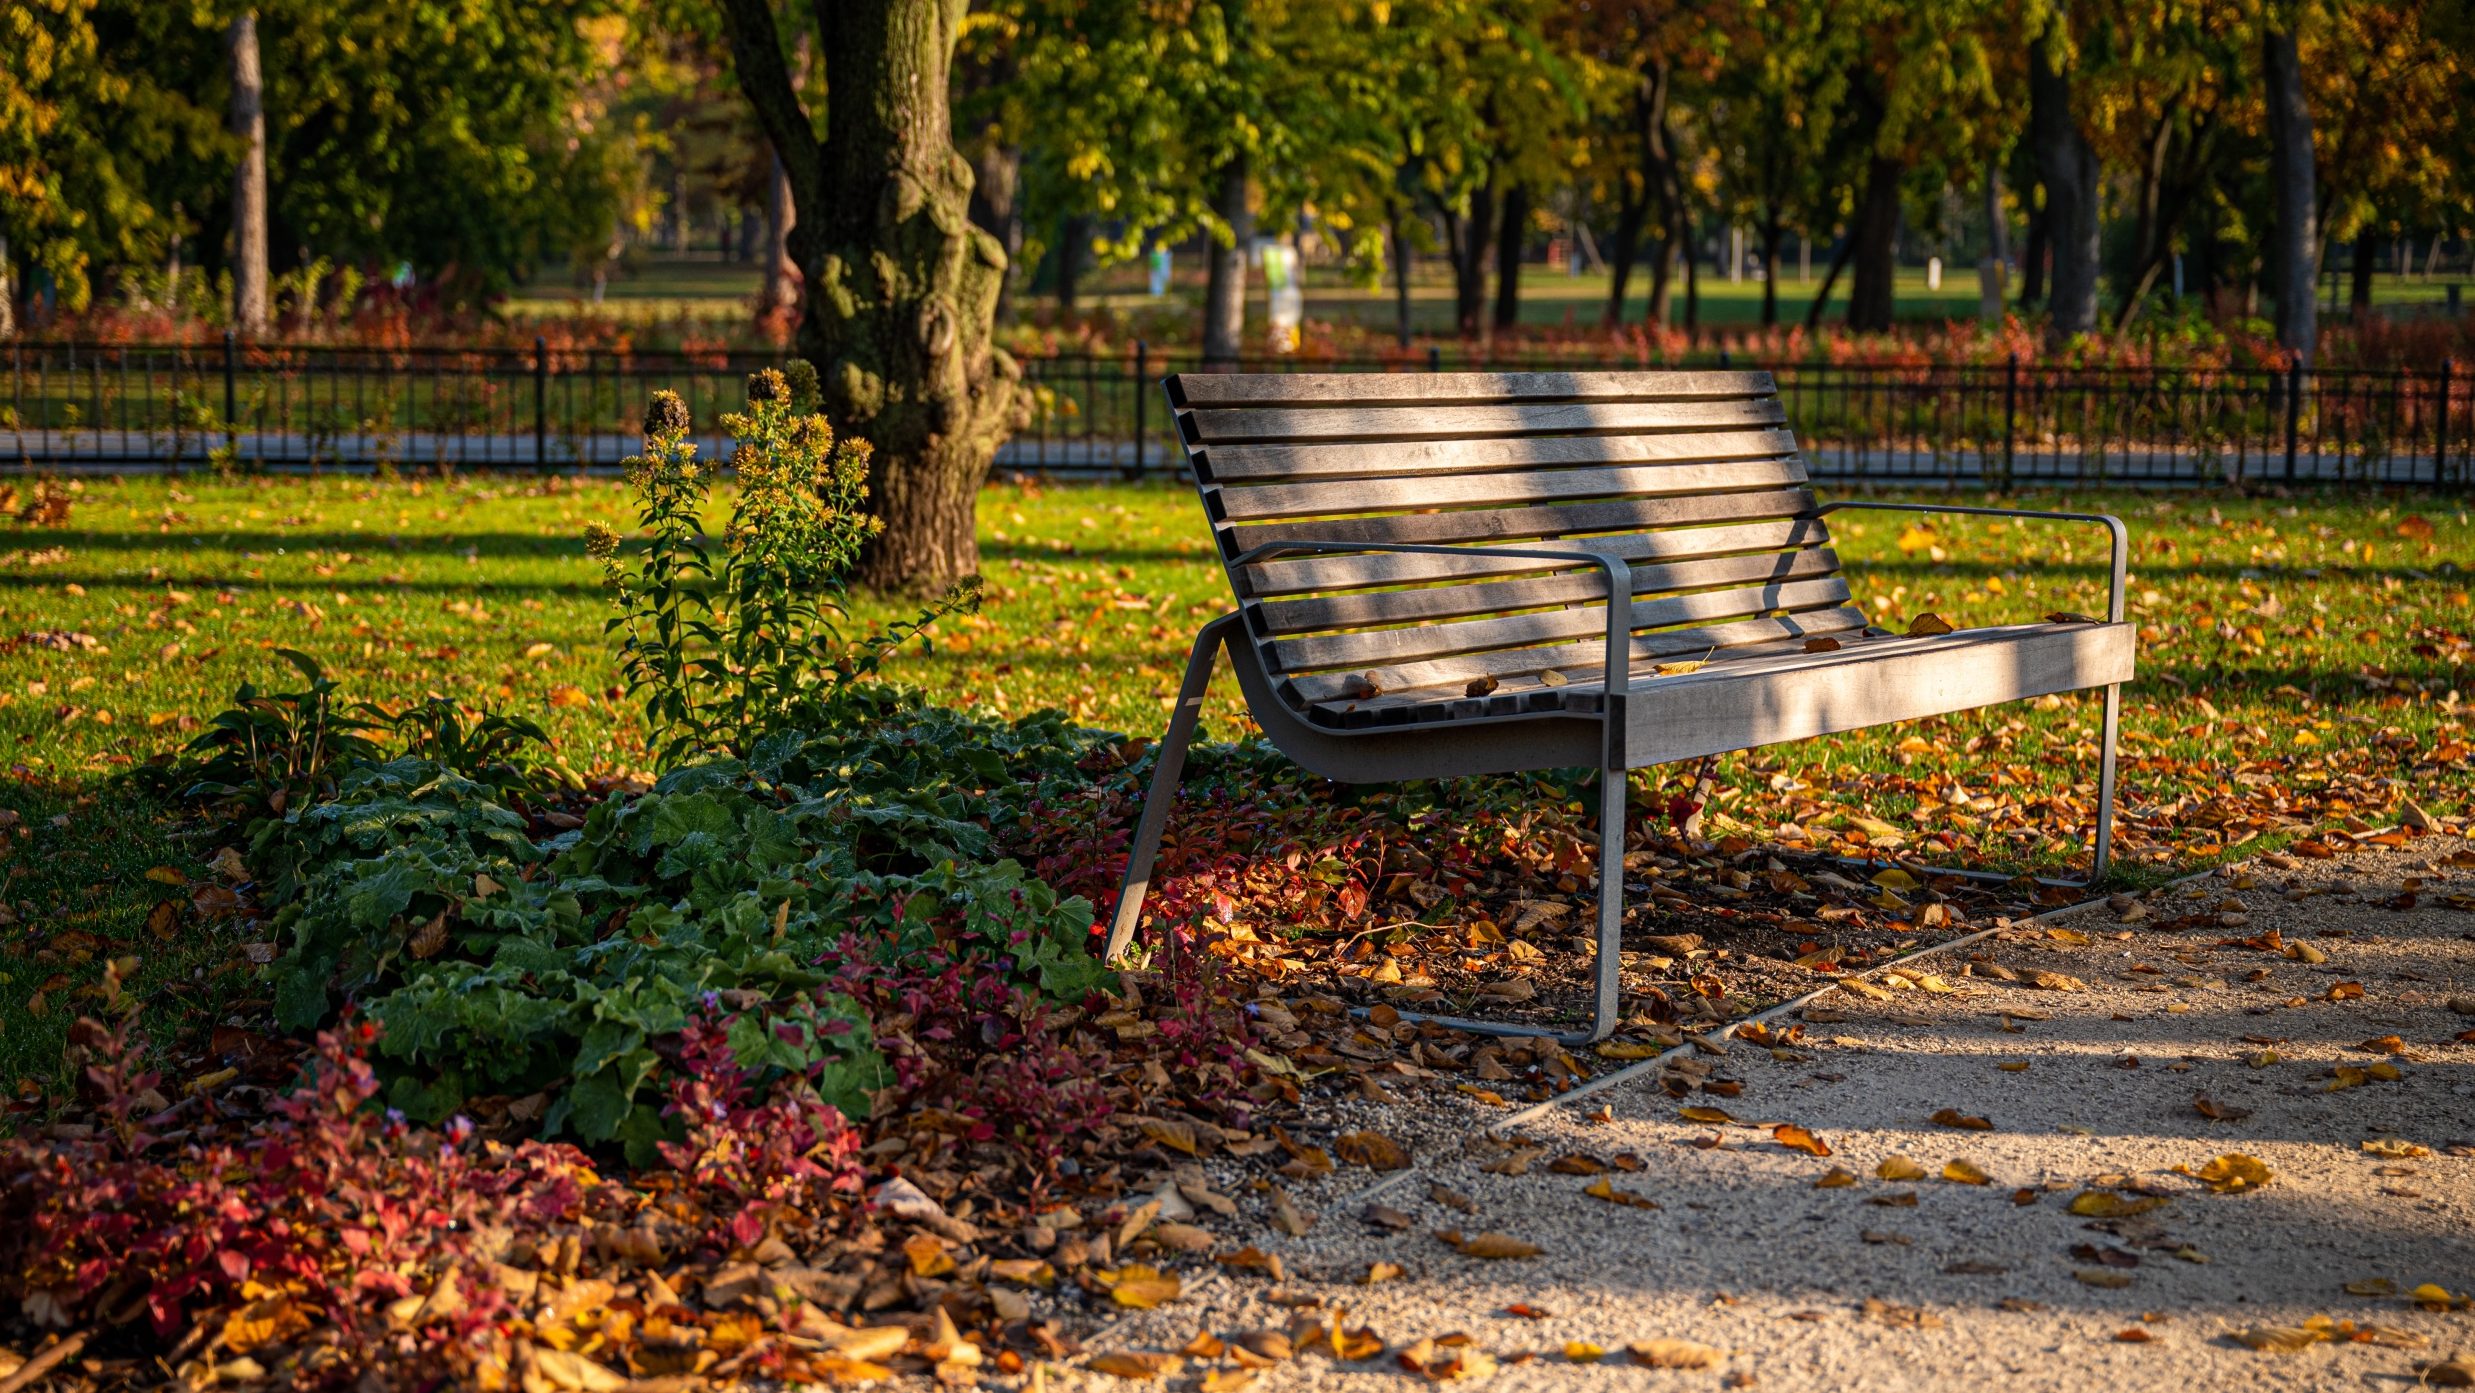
{"points": [[1691, 477]]}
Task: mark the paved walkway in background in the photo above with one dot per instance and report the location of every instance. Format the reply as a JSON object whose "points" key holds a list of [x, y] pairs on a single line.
{"points": [[1935, 1284]]}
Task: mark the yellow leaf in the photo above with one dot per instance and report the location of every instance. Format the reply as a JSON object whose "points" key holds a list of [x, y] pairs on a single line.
{"points": [[928, 1255], [2106, 1204], [1680, 669], [1673, 1354], [1552, 678], [2284, 1339], [2232, 1173], [1796, 1138], [1963, 1173], [1899, 1168], [1631, 1049], [1583, 1352], [1836, 1178], [566, 694], [1894, 878], [1497, 1245], [1143, 1287], [1701, 1114], [1604, 1189]]}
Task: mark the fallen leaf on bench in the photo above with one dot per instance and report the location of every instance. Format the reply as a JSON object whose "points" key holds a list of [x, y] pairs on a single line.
{"points": [[1821, 645], [1358, 685], [1552, 678], [1928, 624], [2064, 616], [1479, 686], [1680, 669]]}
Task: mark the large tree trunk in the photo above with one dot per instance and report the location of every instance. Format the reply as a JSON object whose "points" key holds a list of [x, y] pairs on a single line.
{"points": [[2294, 231], [1400, 277], [1508, 257], [1692, 274], [2032, 260], [997, 175], [901, 289], [1991, 266], [1224, 284], [1874, 240], [249, 272], [2067, 166]]}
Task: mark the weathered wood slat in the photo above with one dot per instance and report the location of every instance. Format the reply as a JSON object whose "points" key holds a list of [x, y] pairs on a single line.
{"points": [[1504, 490], [1579, 661], [1365, 648], [1738, 706], [1268, 424], [1233, 464], [1304, 574], [1514, 525], [1430, 388], [1562, 588]]}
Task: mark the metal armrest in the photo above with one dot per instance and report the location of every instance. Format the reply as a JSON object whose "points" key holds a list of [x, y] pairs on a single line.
{"points": [[2113, 525], [1619, 600]]}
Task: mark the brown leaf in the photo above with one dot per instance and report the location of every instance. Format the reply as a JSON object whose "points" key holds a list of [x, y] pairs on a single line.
{"points": [[1964, 1173], [1135, 1364], [2064, 616], [1491, 1245], [1480, 685], [1371, 1149], [1796, 1138], [1953, 1117], [1673, 1354], [1702, 1114], [1821, 645], [1928, 624], [1604, 1189], [2106, 1204], [1142, 1287], [2215, 1111]]}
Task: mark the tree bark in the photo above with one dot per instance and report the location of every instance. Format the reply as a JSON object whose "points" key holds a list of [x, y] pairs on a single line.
{"points": [[780, 290], [900, 289], [1400, 277], [2359, 292], [1508, 257], [1470, 234], [996, 205], [8, 291], [1873, 241], [1224, 286], [1073, 230], [2067, 166], [1631, 207], [249, 239], [2032, 260], [1772, 231], [2294, 232], [1692, 274], [1997, 258]]}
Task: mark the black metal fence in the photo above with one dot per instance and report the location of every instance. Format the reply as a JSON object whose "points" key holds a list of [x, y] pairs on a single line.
{"points": [[73, 407]]}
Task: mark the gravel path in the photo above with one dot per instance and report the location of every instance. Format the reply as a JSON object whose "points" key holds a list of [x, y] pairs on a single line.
{"points": [[1936, 1284]]}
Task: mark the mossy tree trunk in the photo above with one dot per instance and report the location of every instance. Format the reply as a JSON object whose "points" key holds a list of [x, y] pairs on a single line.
{"points": [[901, 289]]}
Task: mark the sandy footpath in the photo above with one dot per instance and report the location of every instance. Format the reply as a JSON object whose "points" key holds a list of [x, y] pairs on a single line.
{"points": [[1932, 1283]]}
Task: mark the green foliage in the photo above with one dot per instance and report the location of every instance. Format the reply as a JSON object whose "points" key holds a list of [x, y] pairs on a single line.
{"points": [[724, 647], [270, 751], [510, 965]]}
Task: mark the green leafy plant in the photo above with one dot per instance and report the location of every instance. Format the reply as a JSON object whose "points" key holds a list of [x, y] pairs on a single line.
{"points": [[724, 644], [492, 749], [269, 752]]}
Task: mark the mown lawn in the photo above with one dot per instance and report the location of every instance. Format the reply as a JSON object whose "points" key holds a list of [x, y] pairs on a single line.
{"points": [[2302, 661]]}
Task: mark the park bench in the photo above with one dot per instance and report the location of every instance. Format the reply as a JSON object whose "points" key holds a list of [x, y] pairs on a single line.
{"points": [[1422, 564]]}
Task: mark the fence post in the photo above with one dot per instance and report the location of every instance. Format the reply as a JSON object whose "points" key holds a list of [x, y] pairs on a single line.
{"points": [[231, 396], [1142, 403], [2440, 432], [1435, 358], [541, 402], [2294, 411], [2010, 414]]}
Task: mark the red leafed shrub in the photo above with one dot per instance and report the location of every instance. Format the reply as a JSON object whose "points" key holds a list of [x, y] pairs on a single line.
{"points": [[752, 1155]]}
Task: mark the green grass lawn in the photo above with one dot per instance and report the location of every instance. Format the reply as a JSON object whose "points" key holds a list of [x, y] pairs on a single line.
{"points": [[2305, 654]]}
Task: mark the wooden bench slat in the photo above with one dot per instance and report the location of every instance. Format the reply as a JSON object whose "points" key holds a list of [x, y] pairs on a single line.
{"points": [[1563, 587], [1365, 648], [1273, 424], [1514, 525], [1304, 574], [1232, 464], [1365, 389], [1580, 661], [1502, 490]]}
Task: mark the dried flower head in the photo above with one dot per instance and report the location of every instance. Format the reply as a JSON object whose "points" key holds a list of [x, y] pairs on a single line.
{"points": [[802, 375], [767, 384], [666, 414], [600, 541]]}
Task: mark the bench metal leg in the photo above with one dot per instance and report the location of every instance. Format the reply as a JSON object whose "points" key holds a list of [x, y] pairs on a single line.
{"points": [[2101, 854], [1170, 765], [1166, 769]]}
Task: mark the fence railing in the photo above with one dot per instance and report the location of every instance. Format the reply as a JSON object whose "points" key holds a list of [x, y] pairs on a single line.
{"points": [[71, 407]]}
